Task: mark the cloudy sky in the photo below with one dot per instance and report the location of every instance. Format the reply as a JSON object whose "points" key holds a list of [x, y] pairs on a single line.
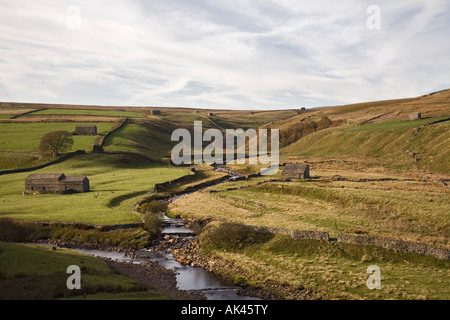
{"points": [[242, 54]]}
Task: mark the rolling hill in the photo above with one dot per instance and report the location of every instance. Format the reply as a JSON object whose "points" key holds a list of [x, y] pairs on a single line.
{"points": [[373, 129]]}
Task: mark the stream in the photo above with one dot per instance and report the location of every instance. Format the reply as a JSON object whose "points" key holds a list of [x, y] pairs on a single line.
{"points": [[194, 278], [189, 278]]}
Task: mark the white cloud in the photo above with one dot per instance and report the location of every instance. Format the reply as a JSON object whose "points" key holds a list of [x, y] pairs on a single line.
{"points": [[224, 54]]}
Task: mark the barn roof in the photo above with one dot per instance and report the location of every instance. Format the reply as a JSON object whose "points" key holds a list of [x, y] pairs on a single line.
{"points": [[46, 176], [295, 168], [75, 179]]}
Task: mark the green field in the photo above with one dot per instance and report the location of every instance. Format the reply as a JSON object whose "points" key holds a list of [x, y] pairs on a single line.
{"points": [[87, 112], [118, 181], [35, 272], [27, 136]]}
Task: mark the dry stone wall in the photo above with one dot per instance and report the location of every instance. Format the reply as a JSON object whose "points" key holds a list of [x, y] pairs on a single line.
{"points": [[397, 245], [59, 160], [297, 234]]}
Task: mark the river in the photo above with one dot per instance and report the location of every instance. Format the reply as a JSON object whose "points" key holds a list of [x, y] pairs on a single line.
{"points": [[189, 278]]}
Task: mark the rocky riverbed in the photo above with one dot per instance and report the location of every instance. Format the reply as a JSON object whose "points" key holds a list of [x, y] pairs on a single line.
{"points": [[155, 276], [148, 271], [189, 254]]}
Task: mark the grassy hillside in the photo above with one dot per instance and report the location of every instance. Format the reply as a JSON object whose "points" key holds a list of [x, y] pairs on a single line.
{"points": [[431, 105], [117, 181], [7, 113], [152, 136], [415, 211], [309, 269], [33, 272], [377, 129], [388, 140], [373, 172], [88, 112], [245, 119]]}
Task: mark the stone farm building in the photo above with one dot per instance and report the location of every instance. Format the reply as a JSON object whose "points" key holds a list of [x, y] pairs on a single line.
{"points": [[296, 171], [85, 131], [55, 183], [415, 116]]}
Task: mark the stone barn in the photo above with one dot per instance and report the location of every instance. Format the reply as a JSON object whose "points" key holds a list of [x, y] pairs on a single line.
{"points": [[85, 131], [156, 112], [414, 116], [56, 183], [296, 171]]}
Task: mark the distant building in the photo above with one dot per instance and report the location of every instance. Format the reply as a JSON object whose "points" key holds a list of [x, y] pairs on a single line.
{"points": [[414, 116], [85, 131], [56, 183], [211, 114], [97, 148], [296, 171], [156, 112]]}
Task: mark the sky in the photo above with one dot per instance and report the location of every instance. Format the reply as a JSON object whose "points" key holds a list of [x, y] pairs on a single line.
{"points": [[227, 54]]}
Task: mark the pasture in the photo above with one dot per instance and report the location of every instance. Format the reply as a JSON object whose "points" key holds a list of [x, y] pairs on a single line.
{"points": [[309, 269], [404, 209], [26, 136], [116, 183]]}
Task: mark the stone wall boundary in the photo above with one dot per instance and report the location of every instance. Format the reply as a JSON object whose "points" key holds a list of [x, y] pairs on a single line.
{"points": [[27, 113], [98, 146], [397, 245], [59, 160]]}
